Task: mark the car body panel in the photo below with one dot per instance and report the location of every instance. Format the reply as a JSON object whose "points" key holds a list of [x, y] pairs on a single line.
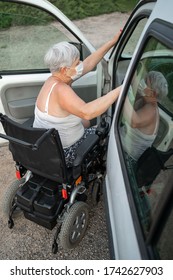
{"points": [[121, 220], [118, 189]]}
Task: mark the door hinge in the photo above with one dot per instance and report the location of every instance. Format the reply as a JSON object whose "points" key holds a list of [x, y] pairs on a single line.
{"points": [[106, 87]]}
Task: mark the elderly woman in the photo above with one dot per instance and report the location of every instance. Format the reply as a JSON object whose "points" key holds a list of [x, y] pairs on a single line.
{"points": [[58, 106], [141, 125]]}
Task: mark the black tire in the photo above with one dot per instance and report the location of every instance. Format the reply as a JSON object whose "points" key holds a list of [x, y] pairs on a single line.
{"points": [[9, 198], [10, 223], [74, 225], [96, 193]]}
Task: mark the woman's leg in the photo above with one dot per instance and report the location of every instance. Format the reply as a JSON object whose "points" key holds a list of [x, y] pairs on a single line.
{"points": [[70, 152]]}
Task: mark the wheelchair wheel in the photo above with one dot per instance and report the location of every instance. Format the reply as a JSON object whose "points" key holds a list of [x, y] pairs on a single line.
{"points": [[74, 225], [9, 198], [96, 193]]}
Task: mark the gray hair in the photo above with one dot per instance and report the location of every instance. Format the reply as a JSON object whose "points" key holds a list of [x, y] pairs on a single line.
{"points": [[158, 83], [60, 55]]}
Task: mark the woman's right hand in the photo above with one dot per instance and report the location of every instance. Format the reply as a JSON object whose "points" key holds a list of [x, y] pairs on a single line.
{"points": [[116, 37]]}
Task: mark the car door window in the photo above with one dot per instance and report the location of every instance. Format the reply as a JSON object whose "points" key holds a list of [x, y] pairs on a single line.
{"points": [[127, 48], [133, 40], [26, 33], [146, 120]]}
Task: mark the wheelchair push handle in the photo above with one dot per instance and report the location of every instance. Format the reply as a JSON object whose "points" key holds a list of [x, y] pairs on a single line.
{"points": [[40, 140], [15, 140]]}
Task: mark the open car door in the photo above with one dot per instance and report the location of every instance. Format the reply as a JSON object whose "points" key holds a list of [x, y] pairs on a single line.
{"points": [[27, 29]]}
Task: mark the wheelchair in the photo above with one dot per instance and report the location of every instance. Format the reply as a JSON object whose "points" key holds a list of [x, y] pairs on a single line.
{"points": [[46, 191]]}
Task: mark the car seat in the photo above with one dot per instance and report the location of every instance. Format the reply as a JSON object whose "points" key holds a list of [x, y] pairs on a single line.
{"points": [[47, 192]]}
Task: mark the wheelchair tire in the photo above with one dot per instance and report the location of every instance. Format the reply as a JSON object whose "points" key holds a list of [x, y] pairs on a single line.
{"points": [[96, 193], [9, 198], [74, 225]]}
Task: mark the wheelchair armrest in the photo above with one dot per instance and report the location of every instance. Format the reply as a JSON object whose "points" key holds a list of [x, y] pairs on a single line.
{"points": [[85, 148]]}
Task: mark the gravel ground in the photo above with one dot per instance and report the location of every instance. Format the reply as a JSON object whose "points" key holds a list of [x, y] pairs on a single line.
{"points": [[28, 241]]}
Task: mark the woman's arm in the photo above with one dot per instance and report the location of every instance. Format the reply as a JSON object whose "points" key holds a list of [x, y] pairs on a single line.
{"points": [[141, 117], [92, 60], [69, 101]]}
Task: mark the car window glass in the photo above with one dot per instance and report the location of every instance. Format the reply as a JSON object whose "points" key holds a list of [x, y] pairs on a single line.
{"points": [[133, 40], [130, 42], [26, 33], [146, 121]]}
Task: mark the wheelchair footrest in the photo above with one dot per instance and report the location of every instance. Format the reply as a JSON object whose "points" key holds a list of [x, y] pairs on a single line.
{"points": [[41, 201]]}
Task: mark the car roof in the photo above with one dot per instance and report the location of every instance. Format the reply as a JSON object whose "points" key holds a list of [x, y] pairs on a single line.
{"points": [[162, 10]]}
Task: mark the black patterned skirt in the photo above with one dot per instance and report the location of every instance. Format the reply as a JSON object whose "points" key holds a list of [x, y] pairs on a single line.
{"points": [[70, 152]]}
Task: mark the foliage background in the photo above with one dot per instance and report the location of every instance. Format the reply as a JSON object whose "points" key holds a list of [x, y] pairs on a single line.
{"points": [[73, 9], [79, 9]]}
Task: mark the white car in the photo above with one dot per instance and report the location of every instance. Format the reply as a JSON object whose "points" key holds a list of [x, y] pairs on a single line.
{"points": [[139, 223]]}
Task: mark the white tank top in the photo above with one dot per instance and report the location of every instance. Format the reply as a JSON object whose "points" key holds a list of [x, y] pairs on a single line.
{"points": [[136, 142], [70, 128]]}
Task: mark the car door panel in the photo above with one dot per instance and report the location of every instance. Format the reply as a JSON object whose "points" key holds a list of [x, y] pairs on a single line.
{"points": [[18, 108], [18, 97]]}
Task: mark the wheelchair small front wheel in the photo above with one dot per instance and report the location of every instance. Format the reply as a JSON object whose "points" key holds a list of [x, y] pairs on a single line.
{"points": [[9, 198], [10, 223], [96, 192], [54, 248], [74, 225]]}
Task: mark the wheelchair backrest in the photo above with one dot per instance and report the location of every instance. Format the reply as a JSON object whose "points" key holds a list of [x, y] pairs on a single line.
{"points": [[45, 159]]}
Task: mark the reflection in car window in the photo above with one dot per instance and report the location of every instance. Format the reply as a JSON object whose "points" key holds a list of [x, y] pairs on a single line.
{"points": [[26, 34], [145, 122]]}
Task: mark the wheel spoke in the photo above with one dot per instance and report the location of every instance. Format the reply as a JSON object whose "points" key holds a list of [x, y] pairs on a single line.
{"points": [[78, 226]]}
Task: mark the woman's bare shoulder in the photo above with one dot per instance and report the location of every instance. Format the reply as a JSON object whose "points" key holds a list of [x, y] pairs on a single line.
{"points": [[63, 88]]}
